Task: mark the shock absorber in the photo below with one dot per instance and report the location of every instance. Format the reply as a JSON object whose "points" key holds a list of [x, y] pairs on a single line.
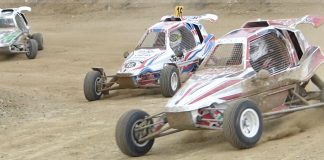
{"points": [[320, 84]]}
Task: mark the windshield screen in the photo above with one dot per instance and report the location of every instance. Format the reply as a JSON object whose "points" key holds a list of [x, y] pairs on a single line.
{"points": [[6, 23], [226, 55], [153, 40]]}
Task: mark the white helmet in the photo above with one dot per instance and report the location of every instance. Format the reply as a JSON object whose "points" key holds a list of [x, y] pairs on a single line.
{"points": [[175, 38], [260, 50]]}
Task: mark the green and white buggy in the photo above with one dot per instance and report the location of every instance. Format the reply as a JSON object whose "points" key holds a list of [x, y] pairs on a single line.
{"points": [[15, 34]]}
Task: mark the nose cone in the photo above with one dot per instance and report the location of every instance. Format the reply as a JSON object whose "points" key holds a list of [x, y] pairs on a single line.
{"points": [[207, 87], [139, 59]]}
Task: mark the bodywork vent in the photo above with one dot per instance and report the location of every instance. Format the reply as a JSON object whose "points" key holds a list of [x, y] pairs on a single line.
{"points": [[256, 24], [7, 10], [172, 19]]}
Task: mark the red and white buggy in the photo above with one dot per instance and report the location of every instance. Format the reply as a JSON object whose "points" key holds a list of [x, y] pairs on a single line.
{"points": [[256, 72]]}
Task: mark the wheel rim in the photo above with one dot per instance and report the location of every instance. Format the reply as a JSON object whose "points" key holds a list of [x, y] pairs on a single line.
{"points": [[135, 135], [174, 81], [249, 123], [97, 85]]}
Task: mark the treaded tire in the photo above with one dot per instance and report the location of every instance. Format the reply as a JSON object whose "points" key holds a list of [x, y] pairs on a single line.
{"points": [[89, 86], [33, 48], [125, 137], [232, 130], [39, 39], [165, 80]]}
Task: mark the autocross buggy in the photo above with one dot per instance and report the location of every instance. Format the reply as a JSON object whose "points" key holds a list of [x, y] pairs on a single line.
{"points": [[256, 72], [15, 34], [168, 53]]}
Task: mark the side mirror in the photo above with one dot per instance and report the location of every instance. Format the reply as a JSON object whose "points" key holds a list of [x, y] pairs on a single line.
{"points": [[126, 54], [263, 74]]}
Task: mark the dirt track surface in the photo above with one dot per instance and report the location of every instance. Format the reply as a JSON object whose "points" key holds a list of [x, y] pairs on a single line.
{"points": [[44, 115]]}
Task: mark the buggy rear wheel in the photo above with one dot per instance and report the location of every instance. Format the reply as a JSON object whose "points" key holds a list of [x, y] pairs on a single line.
{"points": [[169, 81], [39, 39], [92, 86], [243, 124], [127, 137], [32, 49]]}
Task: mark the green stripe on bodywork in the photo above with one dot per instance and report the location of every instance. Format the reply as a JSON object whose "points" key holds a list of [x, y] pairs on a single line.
{"points": [[10, 37]]}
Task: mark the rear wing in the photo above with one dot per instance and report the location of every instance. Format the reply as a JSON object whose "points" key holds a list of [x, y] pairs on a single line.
{"points": [[208, 17], [23, 9], [12, 10], [315, 21]]}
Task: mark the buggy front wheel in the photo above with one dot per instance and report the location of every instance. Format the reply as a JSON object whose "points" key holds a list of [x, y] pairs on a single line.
{"points": [[127, 133], [243, 124], [32, 49], [92, 86]]}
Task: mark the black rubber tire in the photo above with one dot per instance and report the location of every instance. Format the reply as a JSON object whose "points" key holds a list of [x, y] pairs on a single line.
{"points": [[231, 125], [165, 80], [89, 86], [39, 39], [124, 135], [32, 49]]}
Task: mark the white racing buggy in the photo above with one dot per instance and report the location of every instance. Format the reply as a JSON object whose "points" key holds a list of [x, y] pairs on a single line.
{"points": [[15, 34], [255, 73], [168, 53]]}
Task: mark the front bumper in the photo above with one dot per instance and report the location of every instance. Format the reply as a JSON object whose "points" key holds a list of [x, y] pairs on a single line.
{"points": [[5, 50], [203, 118], [126, 80], [181, 120]]}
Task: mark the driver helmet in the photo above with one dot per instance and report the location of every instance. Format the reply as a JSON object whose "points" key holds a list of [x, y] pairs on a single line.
{"points": [[175, 38], [260, 49]]}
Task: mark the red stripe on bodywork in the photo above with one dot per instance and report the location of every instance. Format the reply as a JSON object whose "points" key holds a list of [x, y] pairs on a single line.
{"points": [[142, 65], [189, 90], [231, 96], [173, 27], [187, 56], [218, 88]]}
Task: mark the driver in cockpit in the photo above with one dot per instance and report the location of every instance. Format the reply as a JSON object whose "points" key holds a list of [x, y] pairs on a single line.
{"points": [[175, 41]]}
